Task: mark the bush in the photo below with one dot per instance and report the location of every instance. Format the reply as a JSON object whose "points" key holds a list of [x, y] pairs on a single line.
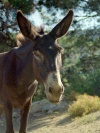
{"points": [[4, 48], [81, 83], [40, 93], [84, 104]]}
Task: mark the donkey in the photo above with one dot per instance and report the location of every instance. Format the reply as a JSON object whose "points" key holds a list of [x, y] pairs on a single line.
{"points": [[36, 59]]}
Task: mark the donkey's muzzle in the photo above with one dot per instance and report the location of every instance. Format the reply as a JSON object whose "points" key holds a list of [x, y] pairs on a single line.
{"points": [[54, 95], [59, 90]]}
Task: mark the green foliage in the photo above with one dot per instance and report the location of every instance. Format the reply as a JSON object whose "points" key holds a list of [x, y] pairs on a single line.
{"points": [[40, 93], [84, 104], [84, 83], [25, 5], [93, 5], [65, 4], [3, 48], [81, 63]]}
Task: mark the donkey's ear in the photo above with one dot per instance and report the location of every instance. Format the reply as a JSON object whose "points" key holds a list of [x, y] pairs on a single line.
{"points": [[62, 27], [27, 29]]}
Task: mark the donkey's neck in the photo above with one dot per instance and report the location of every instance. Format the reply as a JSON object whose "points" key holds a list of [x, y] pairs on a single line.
{"points": [[37, 69]]}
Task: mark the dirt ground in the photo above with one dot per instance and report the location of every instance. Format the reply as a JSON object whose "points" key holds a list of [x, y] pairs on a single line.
{"points": [[58, 122]]}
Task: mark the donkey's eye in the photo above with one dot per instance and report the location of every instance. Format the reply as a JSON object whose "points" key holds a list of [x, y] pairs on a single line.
{"points": [[50, 47], [38, 55]]}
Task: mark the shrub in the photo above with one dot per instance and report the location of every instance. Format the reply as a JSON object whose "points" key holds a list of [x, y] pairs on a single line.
{"points": [[84, 104], [40, 93], [81, 83]]}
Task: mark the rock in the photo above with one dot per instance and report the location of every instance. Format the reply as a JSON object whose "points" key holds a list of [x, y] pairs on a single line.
{"points": [[48, 107], [44, 102], [50, 112], [36, 107], [61, 106], [15, 115]]}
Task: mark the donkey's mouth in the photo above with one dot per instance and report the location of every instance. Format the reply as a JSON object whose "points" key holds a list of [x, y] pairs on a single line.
{"points": [[54, 98]]}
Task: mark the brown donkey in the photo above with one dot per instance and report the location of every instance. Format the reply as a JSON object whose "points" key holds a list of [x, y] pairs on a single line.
{"points": [[36, 59]]}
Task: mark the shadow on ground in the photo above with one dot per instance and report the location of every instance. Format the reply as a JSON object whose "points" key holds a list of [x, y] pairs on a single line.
{"points": [[38, 120]]}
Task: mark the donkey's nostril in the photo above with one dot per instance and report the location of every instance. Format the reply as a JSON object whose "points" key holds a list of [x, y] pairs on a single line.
{"points": [[56, 90], [50, 89]]}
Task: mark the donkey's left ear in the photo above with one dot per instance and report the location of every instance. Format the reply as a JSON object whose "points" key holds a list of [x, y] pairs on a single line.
{"points": [[62, 27], [27, 29]]}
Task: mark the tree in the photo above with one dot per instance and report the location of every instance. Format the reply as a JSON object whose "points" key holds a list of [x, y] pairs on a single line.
{"points": [[84, 10], [8, 9]]}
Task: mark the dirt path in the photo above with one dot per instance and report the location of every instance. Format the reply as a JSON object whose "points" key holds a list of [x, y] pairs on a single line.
{"points": [[58, 123]]}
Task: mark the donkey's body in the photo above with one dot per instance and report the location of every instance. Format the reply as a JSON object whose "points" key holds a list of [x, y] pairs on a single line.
{"points": [[2, 58], [17, 84], [37, 58], [16, 76]]}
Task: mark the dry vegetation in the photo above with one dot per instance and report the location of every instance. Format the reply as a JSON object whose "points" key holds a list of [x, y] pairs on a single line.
{"points": [[83, 105]]}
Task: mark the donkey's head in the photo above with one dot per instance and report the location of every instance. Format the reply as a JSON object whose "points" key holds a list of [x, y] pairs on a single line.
{"points": [[47, 54]]}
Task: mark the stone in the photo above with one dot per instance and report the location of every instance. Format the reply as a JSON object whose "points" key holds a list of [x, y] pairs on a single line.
{"points": [[44, 102], [50, 112], [15, 115], [48, 107], [35, 107]]}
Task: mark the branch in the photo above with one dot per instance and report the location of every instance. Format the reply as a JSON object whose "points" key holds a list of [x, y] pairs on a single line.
{"points": [[4, 26], [2, 7], [14, 24], [88, 16]]}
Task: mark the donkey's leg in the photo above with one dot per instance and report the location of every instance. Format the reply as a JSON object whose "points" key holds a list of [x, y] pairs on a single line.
{"points": [[8, 115], [24, 116], [25, 109], [1, 110]]}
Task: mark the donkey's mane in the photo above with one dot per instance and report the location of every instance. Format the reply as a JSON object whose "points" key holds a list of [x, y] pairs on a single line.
{"points": [[40, 29], [22, 40]]}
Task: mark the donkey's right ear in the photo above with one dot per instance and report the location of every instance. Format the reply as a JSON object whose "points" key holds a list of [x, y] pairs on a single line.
{"points": [[62, 27], [27, 29]]}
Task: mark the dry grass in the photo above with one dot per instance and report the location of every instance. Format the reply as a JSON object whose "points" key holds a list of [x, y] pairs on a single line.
{"points": [[83, 105]]}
